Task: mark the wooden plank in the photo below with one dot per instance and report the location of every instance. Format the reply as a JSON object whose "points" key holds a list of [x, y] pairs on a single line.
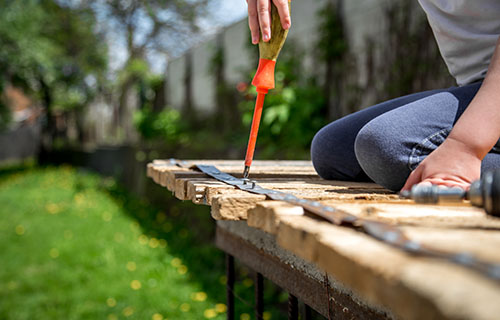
{"points": [[460, 215], [234, 206], [266, 215], [411, 287], [181, 189], [483, 244], [165, 173], [206, 188], [231, 203], [197, 189]]}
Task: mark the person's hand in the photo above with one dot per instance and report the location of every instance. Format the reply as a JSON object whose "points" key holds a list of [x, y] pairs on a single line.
{"points": [[259, 17], [452, 164]]}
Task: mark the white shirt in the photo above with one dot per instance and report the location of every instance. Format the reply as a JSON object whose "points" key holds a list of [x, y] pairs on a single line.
{"points": [[466, 32]]}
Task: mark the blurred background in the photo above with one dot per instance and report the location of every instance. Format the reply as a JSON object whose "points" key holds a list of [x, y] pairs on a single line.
{"points": [[90, 91]]}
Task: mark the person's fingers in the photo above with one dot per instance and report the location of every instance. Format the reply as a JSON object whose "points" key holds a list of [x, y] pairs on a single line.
{"points": [[284, 12], [253, 21], [414, 178], [264, 13], [450, 183]]}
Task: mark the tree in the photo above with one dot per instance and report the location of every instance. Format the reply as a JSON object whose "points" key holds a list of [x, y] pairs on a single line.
{"points": [[148, 28], [54, 52]]}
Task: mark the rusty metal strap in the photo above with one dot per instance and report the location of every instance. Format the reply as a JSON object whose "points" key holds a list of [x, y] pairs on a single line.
{"points": [[384, 232]]}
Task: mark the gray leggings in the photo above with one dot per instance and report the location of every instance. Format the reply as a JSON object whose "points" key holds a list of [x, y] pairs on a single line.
{"points": [[385, 142]]}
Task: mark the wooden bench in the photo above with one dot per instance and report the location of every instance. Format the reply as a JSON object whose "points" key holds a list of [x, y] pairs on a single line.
{"points": [[369, 278]]}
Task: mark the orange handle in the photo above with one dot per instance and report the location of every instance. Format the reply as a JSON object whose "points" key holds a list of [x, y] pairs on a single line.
{"points": [[259, 104], [264, 77]]}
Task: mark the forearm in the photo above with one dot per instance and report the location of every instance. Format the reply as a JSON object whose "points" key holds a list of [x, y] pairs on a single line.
{"points": [[478, 129]]}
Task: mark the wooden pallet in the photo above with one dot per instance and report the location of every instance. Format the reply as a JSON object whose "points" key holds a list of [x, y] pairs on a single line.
{"points": [[411, 287]]}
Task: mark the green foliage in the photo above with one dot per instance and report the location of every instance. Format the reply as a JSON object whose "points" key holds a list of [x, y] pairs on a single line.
{"points": [[293, 111], [73, 252], [52, 51], [165, 125], [74, 245]]}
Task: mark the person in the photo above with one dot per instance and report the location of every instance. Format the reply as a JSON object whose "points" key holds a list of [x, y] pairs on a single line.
{"points": [[443, 136]]}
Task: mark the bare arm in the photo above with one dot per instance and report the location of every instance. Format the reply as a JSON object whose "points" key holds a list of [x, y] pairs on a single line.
{"points": [[259, 17], [457, 162]]}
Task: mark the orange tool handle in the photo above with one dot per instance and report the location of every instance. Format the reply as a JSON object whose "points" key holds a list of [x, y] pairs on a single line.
{"points": [[264, 77], [259, 104]]}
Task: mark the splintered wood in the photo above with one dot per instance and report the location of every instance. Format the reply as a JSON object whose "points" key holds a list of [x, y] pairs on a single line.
{"points": [[411, 287]]}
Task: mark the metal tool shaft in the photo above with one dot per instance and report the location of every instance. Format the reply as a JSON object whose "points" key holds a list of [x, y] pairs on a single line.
{"points": [[434, 194], [483, 193], [254, 131]]}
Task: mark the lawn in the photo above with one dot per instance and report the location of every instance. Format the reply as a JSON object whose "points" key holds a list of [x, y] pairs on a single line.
{"points": [[74, 245]]}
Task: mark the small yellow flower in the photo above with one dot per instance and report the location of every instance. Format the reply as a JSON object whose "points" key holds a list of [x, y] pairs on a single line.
{"points": [[220, 308], [20, 230], [176, 262], [134, 226], [112, 316], [185, 307], [106, 216], [52, 208], [209, 313], [135, 284], [143, 239], [79, 198], [131, 266], [182, 269], [153, 243], [244, 316], [157, 316], [111, 302], [266, 315], [248, 282], [199, 296], [54, 253], [128, 311]]}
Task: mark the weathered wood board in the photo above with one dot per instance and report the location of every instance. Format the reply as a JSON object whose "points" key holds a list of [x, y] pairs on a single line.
{"points": [[412, 287]]}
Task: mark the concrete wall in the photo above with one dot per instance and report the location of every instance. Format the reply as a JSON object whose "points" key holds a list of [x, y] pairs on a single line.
{"points": [[202, 77], [175, 82]]}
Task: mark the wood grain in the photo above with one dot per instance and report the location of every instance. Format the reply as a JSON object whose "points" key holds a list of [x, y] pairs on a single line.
{"points": [[411, 287]]}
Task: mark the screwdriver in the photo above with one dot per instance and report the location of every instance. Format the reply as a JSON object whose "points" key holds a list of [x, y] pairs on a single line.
{"points": [[484, 193], [264, 79]]}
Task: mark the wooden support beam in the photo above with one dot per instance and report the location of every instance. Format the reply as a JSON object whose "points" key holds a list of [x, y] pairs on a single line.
{"points": [[288, 276], [413, 287]]}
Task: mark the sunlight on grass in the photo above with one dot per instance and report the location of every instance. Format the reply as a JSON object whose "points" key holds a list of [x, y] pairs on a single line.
{"points": [[70, 251]]}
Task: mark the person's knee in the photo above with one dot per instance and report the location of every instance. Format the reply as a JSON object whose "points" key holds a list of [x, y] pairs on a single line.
{"points": [[321, 154], [381, 155], [331, 156]]}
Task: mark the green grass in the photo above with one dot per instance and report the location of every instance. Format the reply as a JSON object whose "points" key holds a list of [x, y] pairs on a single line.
{"points": [[74, 245]]}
